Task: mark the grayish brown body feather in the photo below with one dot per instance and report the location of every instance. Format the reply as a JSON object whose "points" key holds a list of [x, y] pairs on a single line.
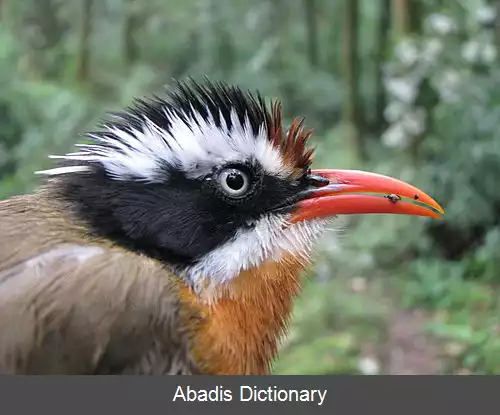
{"points": [[70, 304]]}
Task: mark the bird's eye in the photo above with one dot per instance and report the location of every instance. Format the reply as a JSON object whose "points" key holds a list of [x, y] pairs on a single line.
{"points": [[234, 182]]}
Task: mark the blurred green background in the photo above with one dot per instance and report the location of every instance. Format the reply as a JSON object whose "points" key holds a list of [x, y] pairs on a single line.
{"points": [[409, 88]]}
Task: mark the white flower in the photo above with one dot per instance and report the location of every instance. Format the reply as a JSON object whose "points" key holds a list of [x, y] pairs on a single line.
{"points": [[394, 111], [401, 89], [395, 136], [485, 14], [407, 52], [432, 48], [368, 366], [477, 153], [358, 284], [471, 51], [366, 260], [441, 24], [451, 78], [414, 122], [449, 96], [448, 84], [489, 53]]}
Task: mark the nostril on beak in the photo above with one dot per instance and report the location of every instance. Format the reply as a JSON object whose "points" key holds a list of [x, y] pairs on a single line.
{"points": [[317, 181]]}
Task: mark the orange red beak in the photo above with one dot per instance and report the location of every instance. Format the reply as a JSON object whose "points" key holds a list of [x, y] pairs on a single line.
{"points": [[347, 192]]}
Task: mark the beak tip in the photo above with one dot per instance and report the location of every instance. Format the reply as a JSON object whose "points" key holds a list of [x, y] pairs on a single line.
{"points": [[436, 206], [347, 195]]}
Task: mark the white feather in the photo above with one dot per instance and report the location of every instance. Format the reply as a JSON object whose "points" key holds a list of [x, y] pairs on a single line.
{"points": [[269, 239], [63, 170], [194, 145]]}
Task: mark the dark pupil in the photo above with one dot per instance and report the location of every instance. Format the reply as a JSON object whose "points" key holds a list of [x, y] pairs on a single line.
{"points": [[235, 181]]}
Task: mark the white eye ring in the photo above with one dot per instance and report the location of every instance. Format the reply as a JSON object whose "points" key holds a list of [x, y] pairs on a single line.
{"points": [[234, 182]]}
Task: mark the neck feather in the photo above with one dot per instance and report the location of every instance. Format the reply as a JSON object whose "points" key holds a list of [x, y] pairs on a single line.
{"points": [[240, 333]]}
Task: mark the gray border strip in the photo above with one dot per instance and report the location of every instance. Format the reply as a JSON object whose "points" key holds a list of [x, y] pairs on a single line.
{"points": [[153, 395]]}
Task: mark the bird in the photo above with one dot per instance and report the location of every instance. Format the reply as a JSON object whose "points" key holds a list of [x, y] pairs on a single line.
{"points": [[175, 239]]}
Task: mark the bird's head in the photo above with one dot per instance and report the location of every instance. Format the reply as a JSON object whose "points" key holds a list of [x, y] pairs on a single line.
{"points": [[209, 181]]}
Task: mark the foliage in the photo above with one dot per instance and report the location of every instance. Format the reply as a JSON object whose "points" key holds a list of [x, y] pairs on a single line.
{"points": [[436, 82]]}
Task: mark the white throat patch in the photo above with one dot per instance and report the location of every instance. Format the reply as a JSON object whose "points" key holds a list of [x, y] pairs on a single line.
{"points": [[270, 239]]}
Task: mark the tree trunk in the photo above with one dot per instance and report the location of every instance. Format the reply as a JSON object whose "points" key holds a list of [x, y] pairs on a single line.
{"points": [[417, 9], [382, 36], [407, 16], [6, 17], [279, 17], [84, 48], [312, 32], [495, 4], [131, 24], [352, 104], [401, 17], [39, 30], [222, 48], [335, 39], [408, 19]]}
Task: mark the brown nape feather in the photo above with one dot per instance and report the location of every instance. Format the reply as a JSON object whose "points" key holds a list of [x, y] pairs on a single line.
{"points": [[293, 144], [119, 312]]}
